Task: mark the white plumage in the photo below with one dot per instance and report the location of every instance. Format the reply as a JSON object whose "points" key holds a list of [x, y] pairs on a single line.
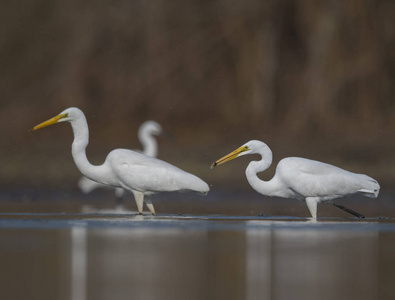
{"points": [[304, 179], [126, 168], [146, 134]]}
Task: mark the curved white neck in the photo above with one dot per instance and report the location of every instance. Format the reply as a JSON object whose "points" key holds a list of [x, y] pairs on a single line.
{"points": [[270, 188], [81, 140], [150, 146]]}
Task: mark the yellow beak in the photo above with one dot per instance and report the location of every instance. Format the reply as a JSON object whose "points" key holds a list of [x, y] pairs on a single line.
{"points": [[229, 156], [51, 121]]}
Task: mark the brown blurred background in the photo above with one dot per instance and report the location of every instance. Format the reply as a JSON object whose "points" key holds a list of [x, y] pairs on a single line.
{"points": [[310, 78]]}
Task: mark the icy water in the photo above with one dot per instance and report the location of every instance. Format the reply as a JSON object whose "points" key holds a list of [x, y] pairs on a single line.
{"points": [[74, 249]]}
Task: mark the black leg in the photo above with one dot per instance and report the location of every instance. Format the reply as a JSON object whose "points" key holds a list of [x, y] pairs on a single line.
{"points": [[358, 215]]}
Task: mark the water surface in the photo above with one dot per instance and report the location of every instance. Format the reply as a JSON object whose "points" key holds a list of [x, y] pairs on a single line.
{"points": [[79, 250]]}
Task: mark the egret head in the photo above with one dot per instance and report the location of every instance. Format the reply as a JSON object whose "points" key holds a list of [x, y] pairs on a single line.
{"points": [[68, 115], [243, 150], [151, 127], [250, 147]]}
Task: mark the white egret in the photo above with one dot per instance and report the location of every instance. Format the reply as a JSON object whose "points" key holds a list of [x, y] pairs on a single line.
{"points": [[146, 134], [304, 179], [124, 168]]}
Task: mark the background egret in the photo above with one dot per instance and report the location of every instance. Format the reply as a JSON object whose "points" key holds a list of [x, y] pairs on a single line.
{"points": [[146, 134], [304, 179], [124, 168]]}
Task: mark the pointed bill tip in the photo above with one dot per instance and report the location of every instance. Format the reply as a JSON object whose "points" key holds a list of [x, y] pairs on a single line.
{"points": [[32, 129], [229, 156]]}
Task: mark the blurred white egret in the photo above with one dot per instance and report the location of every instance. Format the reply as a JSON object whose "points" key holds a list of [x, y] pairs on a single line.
{"points": [[124, 168], [307, 180], [146, 133]]}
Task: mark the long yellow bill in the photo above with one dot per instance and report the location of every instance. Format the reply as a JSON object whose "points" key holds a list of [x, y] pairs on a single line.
{"points": [[229, 156], [51, 121]]}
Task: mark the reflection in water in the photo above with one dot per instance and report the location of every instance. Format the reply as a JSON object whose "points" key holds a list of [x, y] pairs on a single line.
{"points": [[313, 264], [259, 264], [78, 263], [146, 263], [196, 259]]}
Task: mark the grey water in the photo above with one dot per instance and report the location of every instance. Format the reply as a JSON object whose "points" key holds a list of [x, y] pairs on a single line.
{"points": [[65, 246]]}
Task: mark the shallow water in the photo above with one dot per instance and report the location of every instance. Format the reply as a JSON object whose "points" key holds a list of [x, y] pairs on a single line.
{"points": [[79, 250]]}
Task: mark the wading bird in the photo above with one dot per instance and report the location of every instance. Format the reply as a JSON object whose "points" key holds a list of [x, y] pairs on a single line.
{"points": [[308, 180], [124, 168], [146, 134]]}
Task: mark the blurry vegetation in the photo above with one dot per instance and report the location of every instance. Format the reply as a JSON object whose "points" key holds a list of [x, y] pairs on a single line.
{"points": [[311, 78]]}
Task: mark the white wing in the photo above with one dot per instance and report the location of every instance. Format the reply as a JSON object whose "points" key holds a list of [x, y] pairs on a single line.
{"points": [[143, 173], [310, 178]]}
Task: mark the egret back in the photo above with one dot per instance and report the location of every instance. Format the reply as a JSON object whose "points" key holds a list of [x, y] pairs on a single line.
{"points": [[310, 178], [147, 174]]}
